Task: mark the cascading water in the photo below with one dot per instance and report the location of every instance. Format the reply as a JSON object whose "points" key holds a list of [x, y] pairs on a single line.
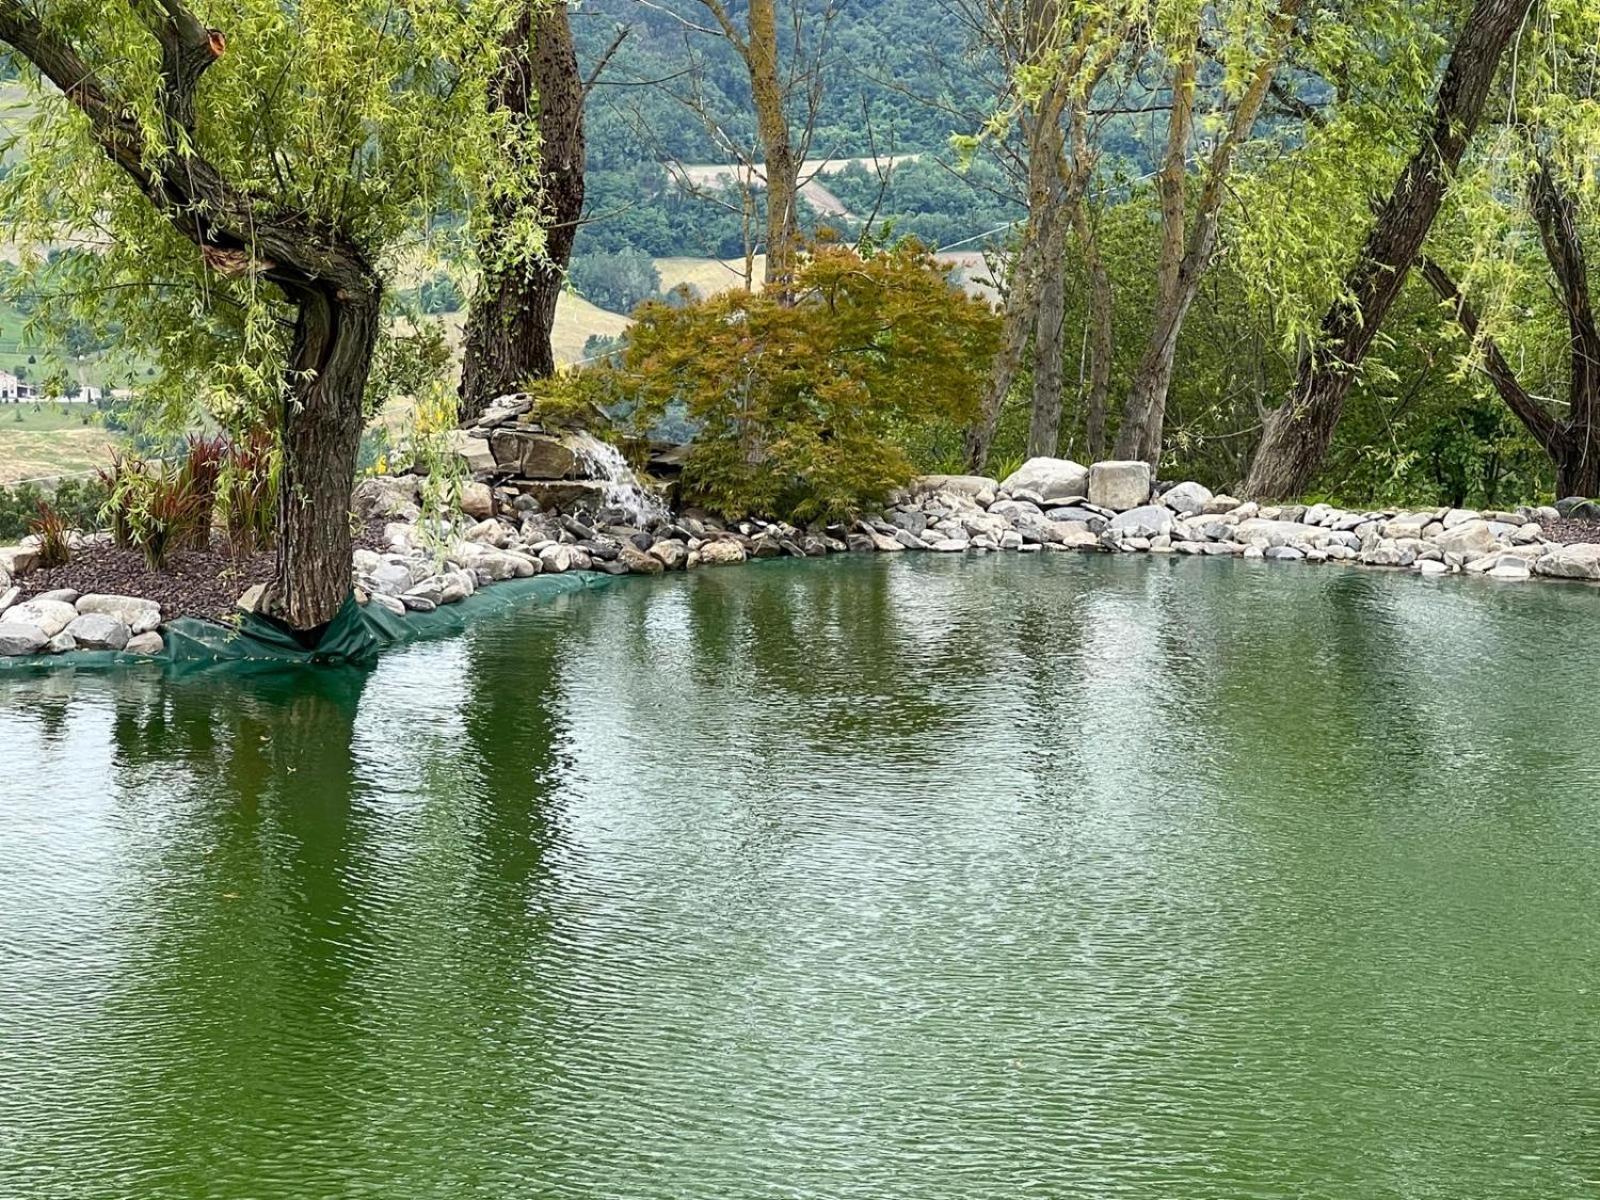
{"points": [[604, 463]]}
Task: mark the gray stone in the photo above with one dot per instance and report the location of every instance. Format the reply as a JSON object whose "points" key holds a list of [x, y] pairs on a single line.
{"points": [[148, 644], [1429, 566], [254, 598], [421, 604], [1471, 536], [1079, 515], [673, 554], [912, 542], [474, 452], [639, 562], [64, 595], [950, 545], [720, 554], [912, 521], [391, 579], [1284, 553], [1577, 508], [387, 497], [17, 560], [1149, 521], [62, 643], [8, 597], [477, 501], [557, 560], [1580, 561], [1119, 486], [52, 616], [533, 455], [970, 486], [137, 613], [391, 603], [1189, 499], [1049, 479], [1511, 569], [97, 631]]}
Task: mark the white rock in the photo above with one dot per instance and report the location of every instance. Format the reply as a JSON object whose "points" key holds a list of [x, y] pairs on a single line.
{"points": [[52, 616], [1580, 561], [97, 631], [8, 597], [149, 644], [1187, 498], [1119, 486], [1469, 536], [137, 613], [17, 638], [1511, 569], [1049, 479], [1429, 566], [1149, 521], [949, 545]]}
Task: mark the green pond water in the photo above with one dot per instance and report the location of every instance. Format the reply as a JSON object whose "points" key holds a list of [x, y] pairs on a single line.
{"points": [[915, 878]]}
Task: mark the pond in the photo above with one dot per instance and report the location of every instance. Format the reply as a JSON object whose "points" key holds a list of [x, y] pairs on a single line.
{"points": [[912, 877]]}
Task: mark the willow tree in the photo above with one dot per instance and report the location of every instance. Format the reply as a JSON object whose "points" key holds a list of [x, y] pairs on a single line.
{"points": [[533, 209], [1297, 435], [1052, 55], [1254, 48], [249, 174]]}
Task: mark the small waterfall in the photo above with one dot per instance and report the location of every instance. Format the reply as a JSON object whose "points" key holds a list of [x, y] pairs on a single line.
{"points": [[603, 462]]}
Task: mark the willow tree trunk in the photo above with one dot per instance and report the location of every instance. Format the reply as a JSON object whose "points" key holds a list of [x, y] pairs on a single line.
{"points": [[335, 334], [509, 326], [1298, 434], [1049, 346], [781, 166], [1101, 340]]}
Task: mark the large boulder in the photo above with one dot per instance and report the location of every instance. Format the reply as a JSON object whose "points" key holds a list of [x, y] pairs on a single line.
{"points": [[17, 639], [8, 597], [1581, 561], [1578, 509], [533, 455], [387, 498], [473, 451], [149, 644], [52, 616], [971, 486], [139, 614], [96, 631], [720, 554], [1119, 486], [17, 560], [673, 554], [1050, 479], [1190, 499], [1147, 521], [1474, 537], [477, 501]]}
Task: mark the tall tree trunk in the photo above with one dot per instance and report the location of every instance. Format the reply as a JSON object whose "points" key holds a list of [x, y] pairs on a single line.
{"points": [[1020, 315], [1185, 258], [513, 313], [1556, 211], [1298, 434], [782, 168], [1049, 345], [334, 337], [1102, 335]]}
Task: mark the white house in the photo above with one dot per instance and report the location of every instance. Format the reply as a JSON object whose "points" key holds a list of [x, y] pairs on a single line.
{"points": [[10, 388]]}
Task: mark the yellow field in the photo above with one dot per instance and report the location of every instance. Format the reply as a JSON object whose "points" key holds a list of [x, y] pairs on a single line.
{"points": [[707, 276]]}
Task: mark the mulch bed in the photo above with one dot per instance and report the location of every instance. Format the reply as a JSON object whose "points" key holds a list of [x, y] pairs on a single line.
{"points": [[1569, 531], [194, 583]]}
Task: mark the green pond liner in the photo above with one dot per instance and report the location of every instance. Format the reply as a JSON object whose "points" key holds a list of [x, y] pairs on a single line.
{"points": [[357, 635]]}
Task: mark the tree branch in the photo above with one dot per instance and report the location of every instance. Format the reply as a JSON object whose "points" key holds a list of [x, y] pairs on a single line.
{"points": [[1529, 411]]}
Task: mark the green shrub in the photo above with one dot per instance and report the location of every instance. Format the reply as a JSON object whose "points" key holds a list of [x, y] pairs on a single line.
{"points": [[804, 410]]}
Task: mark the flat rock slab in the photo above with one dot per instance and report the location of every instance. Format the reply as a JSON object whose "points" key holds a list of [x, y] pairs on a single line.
{"points": [[1119, 486]]}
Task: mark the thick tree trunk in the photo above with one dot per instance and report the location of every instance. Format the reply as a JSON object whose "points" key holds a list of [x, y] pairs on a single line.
{"points": [[514, 311], [1298, 434], [1049, 345], [1101, 343], [781, 166], [322, 421]]}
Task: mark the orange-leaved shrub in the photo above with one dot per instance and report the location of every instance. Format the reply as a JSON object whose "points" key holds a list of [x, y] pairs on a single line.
{"points": [[803, 410]]}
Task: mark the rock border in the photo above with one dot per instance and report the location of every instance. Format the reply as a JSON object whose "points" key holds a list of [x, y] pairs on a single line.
{"points": [[1049, 505]]}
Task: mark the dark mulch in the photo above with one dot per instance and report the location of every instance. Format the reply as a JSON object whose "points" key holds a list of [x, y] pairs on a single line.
{"points": [[194, 583], [1570, 531]]}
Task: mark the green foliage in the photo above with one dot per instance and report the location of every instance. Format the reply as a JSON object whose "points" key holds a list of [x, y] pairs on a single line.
{"points": [[803, 410], [440, 295], [619, 281], [365, 116], [248, 491], [77, 501]]}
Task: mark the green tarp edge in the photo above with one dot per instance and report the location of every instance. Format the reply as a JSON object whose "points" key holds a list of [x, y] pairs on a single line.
{"points": [[358, 634]]}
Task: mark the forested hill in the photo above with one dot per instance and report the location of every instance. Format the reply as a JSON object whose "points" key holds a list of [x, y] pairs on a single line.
{"points": [[896, 78]]}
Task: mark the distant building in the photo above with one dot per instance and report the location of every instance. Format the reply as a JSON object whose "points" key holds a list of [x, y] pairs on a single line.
{"points": [[11, 388]]}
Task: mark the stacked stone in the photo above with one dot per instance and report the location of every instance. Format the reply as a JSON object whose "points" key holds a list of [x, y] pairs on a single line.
{"points": [[63, 621]]}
